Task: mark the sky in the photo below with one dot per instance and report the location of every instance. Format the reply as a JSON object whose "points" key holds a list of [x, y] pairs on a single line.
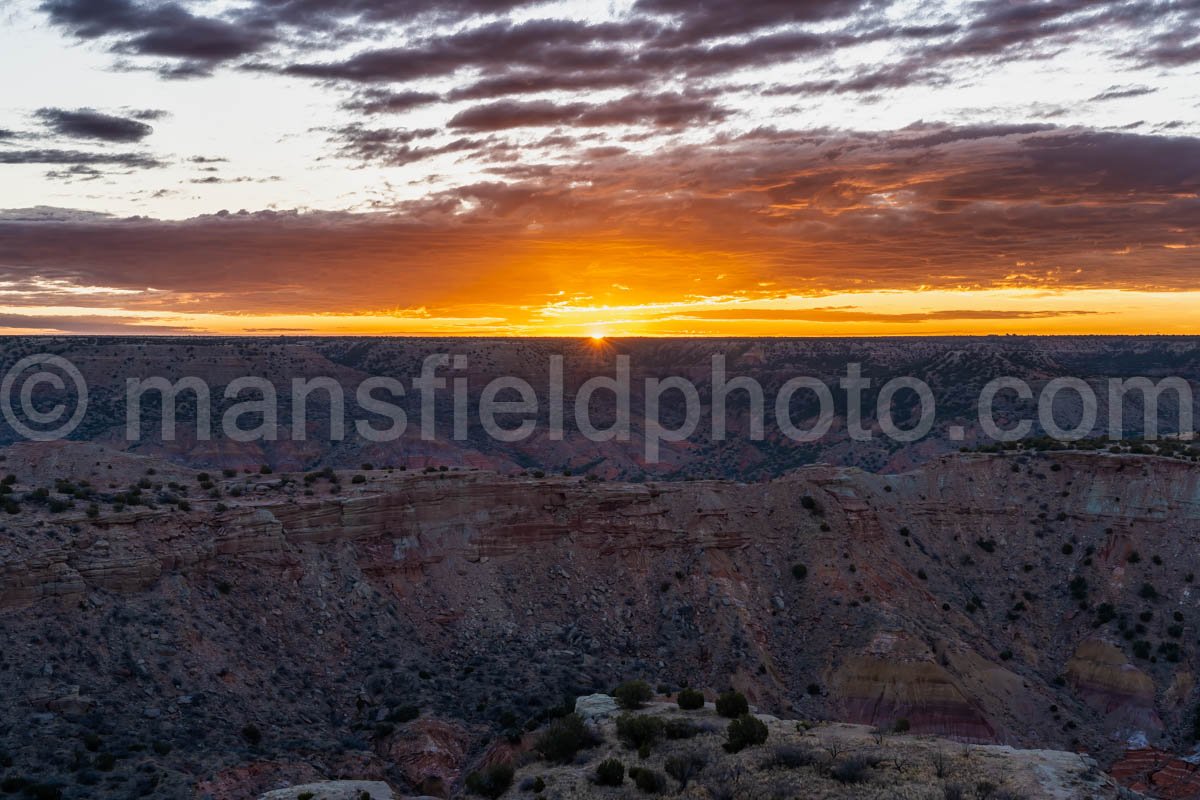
{"points": [[635, 168]]}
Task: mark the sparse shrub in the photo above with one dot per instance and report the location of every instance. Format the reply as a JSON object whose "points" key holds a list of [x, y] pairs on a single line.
{"points": [[639, 731], [650, 781], [403, 714], [679, 729], [732, 704], [1133, 557], [690, 699], [252, 734], [850, 770], [953, 791], [632, 694], [790, 757], [1148, 592], [902, 726], [610, 772], [359, 479], [491, 782], [564, 737], [535, 785], [799, 571], [685, 767], [744, 732]]}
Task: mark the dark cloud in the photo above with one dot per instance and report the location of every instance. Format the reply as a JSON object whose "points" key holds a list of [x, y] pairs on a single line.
{"points": [[870, 80], [532, 81], [320, 13], [150, 114], [158, 29], [396, 147], [91, 324], [44, 156], [86, 123], [382, 101], [663, 110], [717, 18], [1121, 92], [933, 135], [76, 172]]}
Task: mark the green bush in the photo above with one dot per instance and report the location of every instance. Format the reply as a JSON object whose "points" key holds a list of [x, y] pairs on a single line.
{"points": [[638, 732], [799, 571], [732, 704], [564, 737], [491, 782], [632, 694], [610, 772], [744, 732], [690, 699]]}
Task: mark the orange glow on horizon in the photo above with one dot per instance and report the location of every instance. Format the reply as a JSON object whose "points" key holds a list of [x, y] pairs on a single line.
{"points": [[1025, 311]]}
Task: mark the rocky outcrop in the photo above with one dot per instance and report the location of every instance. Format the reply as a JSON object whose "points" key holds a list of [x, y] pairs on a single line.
{"points": [[334, 790], [1159, 774], [882, 692], [430, 755]]}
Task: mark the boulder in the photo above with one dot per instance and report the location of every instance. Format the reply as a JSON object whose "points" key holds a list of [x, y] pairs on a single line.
{"points": [[595, 707]]}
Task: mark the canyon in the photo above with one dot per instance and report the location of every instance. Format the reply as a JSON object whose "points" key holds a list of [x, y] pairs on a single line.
{"points": [[405, 626]]}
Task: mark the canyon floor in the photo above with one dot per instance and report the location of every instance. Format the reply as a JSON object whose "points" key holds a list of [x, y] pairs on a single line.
{"points": [[174, 633]]}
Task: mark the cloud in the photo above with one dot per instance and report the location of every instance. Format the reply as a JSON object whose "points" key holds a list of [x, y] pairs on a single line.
{"points": [[1121, 92], [85, 123], [53, 156], [100, 325], [158, 29], [842, 315], [663, 110], [382, 101], [766, 214], [718, 18]]}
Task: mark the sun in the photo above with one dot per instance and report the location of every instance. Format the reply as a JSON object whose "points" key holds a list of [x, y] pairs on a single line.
{"points": [[597, 337]]}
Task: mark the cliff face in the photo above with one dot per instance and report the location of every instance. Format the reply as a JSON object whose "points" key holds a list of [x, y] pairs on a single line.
{"points": [[1039, 601]]}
